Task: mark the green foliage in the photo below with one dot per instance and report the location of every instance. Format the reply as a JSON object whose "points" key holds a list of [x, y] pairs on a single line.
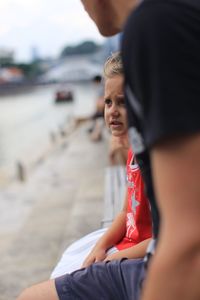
{"points": [[6, 61], [87, 47]]}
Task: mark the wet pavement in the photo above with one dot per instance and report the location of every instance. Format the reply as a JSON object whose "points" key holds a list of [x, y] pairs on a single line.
{"points": [[60, 201]]}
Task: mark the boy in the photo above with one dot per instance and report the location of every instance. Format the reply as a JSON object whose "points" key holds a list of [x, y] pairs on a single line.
{"points": [[130, 231]]}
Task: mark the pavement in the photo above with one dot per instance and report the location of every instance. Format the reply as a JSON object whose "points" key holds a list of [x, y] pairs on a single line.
{"points": [[60, 201]]}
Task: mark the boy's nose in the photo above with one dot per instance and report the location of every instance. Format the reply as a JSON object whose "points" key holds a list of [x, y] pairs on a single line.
{"points": [[114, 110]]}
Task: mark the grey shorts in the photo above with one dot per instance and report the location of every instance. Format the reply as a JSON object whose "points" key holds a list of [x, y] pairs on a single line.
{"points": [[119, 279]]}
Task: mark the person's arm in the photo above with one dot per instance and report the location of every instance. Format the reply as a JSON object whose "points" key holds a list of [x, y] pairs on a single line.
{"points": [[112, 236], [137, 251], [174, 272]]}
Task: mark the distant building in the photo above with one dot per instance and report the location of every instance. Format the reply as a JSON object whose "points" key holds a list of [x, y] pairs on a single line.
{"points": [[34, 54], [73, 68], [6, 56]]}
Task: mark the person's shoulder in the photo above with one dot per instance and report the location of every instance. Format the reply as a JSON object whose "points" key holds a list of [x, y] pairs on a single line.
{"points": [[159, 11], [160, 4], [146, 18], [159, 21]]}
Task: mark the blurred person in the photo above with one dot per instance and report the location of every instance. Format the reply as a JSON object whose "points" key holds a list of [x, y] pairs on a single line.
{"points": [[97, 118], [130, 232]]}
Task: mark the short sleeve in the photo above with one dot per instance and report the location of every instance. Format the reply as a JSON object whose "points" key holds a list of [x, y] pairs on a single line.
{"points": [[161, 52]]}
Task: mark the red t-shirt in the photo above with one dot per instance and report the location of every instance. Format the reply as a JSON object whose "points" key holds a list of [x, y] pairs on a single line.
{"points": [[138, 218]]}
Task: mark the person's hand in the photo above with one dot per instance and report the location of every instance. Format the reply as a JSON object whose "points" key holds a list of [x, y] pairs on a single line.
{"points": [[95, 255], [114, 256]]}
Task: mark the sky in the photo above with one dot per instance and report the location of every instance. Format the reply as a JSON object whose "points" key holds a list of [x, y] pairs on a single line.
{"points": [[46, 25]]}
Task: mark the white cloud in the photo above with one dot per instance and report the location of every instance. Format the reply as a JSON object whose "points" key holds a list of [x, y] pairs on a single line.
{"points": [[4, 30], [47, 24]]}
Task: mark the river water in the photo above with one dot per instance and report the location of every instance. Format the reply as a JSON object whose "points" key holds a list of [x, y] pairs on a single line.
{"points": [[26, 121]]}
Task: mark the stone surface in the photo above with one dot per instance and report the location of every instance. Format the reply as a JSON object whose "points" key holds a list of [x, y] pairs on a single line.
{"points": [[60, 202]]}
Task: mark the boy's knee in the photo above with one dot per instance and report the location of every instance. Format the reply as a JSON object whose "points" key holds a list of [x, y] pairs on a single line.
{"points": [[43, 291], [26, 295]]}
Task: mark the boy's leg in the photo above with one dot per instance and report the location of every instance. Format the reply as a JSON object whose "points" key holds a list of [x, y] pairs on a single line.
{"points": [[111, 280], [43, 291]]}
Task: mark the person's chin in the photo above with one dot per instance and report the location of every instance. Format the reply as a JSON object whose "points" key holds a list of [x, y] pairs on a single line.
{"points": [[117, 133], [108, 33], [108, 30]]}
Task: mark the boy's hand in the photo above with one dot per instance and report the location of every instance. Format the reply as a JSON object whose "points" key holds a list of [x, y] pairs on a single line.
{"points": [[115, 256], [94, 256]]}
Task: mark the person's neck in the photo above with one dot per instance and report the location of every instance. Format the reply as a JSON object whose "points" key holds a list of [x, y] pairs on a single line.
{"points": [[124, 140]]}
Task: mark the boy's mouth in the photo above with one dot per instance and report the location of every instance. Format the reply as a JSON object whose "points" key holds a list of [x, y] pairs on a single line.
{"points": [[115, 124]]}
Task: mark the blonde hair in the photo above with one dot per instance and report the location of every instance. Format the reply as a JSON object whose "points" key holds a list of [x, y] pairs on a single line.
{"points": [[113, 66]]}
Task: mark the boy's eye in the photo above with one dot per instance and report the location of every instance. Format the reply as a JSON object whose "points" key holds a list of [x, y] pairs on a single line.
{"points": [[121, 101], [108, 102]]}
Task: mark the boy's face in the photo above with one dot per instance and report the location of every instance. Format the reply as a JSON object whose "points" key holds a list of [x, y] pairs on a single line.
{"points": [[115, 110]]}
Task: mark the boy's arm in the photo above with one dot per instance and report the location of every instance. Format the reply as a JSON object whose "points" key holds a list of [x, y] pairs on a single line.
{"points": [[137, 251], [112, 236], [175, 269]]}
